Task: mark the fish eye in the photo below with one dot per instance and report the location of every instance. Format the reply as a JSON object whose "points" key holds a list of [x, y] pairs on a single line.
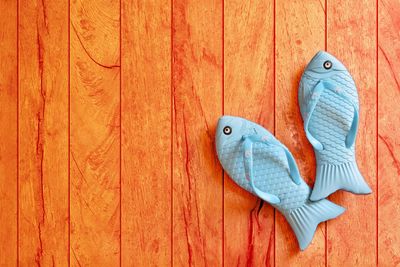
{"points": [[227, 130], [327, 64]]}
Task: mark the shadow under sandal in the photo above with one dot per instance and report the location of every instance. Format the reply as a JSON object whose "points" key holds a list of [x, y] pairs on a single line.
{"points": [[262, 165], [330, 109]]}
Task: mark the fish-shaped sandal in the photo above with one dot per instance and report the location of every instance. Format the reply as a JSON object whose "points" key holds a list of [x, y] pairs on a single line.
{"points": [[262, 165], [329, 106]]}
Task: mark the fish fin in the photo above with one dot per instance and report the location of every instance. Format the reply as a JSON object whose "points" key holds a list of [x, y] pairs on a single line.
{"points": [[304, 220], [330, 178]]}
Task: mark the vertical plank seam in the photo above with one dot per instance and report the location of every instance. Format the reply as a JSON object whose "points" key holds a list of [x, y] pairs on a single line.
{"points": [[274, 62], [326, 49], [172, 127], [274, 78], [17, 133], [120, 133], [69, 133], [326, 25], [377, 131], [223, 112]]}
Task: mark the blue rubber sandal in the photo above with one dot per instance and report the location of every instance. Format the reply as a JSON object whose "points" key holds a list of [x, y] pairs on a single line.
{"points": [[330, 109], [262, 165]]}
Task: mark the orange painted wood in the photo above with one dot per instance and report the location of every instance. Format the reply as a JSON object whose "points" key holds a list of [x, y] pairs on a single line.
{"points": [[43, 133], [8, 133], [95, 132], [300, 33], [249, 93], [352, 237], [140, 178], [146, 136], [197, 104], [388, 133]]}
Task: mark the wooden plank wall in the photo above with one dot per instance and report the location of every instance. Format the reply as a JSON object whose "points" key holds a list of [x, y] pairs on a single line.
{"points": [[107, 122], [249, 229], [95, 132], [9, 137], [359, 55], [388, 137], [197, 104], [146, 133], [43, 133], [294, 48]]}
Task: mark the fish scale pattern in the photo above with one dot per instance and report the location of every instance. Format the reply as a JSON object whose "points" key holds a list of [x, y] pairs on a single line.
{"points": [[271, 173], [331, 119]]}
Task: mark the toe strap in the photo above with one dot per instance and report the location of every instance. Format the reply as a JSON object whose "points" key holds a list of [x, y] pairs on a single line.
{"points": [[248, 142], [317, 92]]}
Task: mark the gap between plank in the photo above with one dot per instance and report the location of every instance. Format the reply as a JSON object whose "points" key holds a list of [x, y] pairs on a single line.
{"points": [[223, 113], [172, 127], [17, 133], [69, 133], [120, 134], [377, 131], [274, 67], [326, 49]]}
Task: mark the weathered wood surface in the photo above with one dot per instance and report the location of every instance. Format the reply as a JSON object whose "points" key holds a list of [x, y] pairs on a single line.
{"points": [[300, 33], [354, 43], [388, 133], [197, 104], [8, 132], [95, 132], [43, 133], [248, 92], [146, 133], [108, 114]]}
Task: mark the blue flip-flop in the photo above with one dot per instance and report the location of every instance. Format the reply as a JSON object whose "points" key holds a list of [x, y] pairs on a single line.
{"points": [[262, 165], [329, 106]]}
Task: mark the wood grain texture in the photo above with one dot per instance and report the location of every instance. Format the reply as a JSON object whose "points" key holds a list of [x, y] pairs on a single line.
{"points": [[249, 93], [8, 132], [197, 104], [300, 33], [43, 133], [388, 133], [128, 152], [146, 136], [352, 237], [95, 132]]}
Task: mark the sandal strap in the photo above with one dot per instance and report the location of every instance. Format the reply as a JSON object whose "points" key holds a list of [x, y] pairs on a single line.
{"points": [[248, 141], [317, 92]]}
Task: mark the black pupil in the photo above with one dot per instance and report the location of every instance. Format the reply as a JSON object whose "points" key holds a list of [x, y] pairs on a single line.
{"points": [[327, 64], [227, 130]]}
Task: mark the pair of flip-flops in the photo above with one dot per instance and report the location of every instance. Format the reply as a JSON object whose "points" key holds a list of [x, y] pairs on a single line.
{"points": [[262, 165]]}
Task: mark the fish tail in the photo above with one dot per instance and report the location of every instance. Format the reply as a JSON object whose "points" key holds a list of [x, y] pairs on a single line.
{"points": [[330, 178], [304, 220]]}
